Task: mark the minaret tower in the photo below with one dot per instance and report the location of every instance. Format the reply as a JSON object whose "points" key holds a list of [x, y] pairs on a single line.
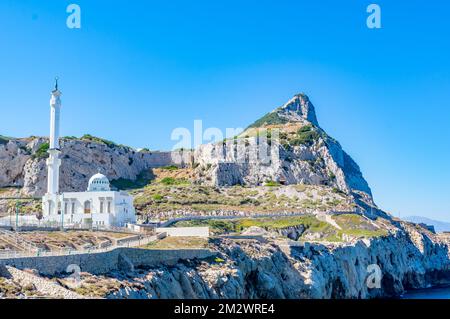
{"points": [[53, 161]]}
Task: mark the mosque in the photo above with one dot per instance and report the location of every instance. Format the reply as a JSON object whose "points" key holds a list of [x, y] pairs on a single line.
{"points": [[98, 206]]}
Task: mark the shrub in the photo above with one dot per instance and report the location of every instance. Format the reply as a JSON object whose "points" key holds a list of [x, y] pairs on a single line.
{"points": [[272, 183], [88, 137], [170, 168], [42, 151], [306, 135], [173, 181], [141, 180], [157, 197]]}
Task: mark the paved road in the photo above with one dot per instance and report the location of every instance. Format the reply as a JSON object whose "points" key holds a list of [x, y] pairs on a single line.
{"points": [[174, 220]]}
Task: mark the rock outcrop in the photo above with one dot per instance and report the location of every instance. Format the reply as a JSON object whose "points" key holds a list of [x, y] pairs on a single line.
{"points": [[252, 269], [301, 153], [409, 257], [23, 163]]}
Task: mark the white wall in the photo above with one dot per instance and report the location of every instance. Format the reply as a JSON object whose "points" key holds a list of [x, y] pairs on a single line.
{"points": [[122, 210], [184, 231]]}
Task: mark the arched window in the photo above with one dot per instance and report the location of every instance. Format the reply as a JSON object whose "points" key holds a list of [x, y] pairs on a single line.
{"points": [[87, 207], [101, 207], [109, 207]]}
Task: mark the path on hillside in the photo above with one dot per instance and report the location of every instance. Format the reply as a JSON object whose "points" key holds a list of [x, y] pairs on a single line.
{"points": [[324, 216]]}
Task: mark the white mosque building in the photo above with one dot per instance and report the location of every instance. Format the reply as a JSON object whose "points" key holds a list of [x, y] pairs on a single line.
{"points": [[98, 206]]}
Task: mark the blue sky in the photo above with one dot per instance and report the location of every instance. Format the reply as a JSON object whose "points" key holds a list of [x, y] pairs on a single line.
{"points": [[137, 70]]}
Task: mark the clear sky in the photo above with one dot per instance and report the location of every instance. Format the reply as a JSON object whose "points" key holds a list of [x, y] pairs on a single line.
{"points": [[138, 69]]}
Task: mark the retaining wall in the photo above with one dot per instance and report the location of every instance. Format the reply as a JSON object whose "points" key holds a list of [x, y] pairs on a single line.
{"points": [[100, 263], [184, 231]]}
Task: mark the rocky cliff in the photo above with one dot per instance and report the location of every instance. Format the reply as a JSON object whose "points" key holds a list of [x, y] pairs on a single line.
{"points": [[286, 145], [408, 258], [296, 151], [23, 162]]}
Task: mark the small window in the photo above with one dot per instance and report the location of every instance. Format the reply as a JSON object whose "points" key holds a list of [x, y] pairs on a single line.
{"points": [[87, 207]]}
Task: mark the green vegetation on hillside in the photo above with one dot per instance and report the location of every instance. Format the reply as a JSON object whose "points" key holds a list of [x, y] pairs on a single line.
{"points": [[309, 222], [306, 135], [170, 168], [142, 180], [180, 194], [3, 140], [178, 243], [174, 181], [357, 226], [88, 137], [272, 183], [42, 151], [352, 225], [271, 118]]}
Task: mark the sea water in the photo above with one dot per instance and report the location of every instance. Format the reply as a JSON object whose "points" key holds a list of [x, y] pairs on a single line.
{"points": [[430, 293]]}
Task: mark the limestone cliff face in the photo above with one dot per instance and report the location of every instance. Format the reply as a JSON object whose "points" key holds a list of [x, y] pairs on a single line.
{"points": [[13, 156], [302, 153], [22, 165], [407, 258], [299, 108]]}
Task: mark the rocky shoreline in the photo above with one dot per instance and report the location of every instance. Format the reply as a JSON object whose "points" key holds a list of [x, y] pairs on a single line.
{"points": [[409, 258], [251, 269]]}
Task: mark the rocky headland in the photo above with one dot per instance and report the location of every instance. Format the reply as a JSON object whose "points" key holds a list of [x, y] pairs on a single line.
{"points": [[325, 245]]}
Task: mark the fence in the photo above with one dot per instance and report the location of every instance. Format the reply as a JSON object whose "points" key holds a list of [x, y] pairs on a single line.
{"points": [[54, 226], [65, 252], [13, 239]]}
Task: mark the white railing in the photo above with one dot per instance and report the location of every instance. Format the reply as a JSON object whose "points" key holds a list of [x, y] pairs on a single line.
{"points": [[67, 226], [66, 252], [12, 238]]}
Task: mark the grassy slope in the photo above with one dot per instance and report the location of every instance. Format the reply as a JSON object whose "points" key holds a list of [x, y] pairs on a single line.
{"points": [[352, 225], [180, 194]]}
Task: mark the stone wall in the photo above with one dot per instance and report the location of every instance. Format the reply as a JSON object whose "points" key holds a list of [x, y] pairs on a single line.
{"points": [[184, 231], [100, 263]]}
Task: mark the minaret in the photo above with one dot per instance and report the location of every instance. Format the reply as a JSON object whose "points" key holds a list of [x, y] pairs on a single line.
{"points": [[53, 161]]}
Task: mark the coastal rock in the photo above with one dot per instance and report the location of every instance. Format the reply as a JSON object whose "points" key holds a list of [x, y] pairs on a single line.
{"points": [[252, 269]]}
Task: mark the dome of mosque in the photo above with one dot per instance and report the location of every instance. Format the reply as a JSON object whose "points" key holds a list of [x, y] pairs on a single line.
{"points": [[98, 183]]}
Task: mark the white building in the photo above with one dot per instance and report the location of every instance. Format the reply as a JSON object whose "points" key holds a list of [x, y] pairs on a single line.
{"points": [[97, 206]]}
